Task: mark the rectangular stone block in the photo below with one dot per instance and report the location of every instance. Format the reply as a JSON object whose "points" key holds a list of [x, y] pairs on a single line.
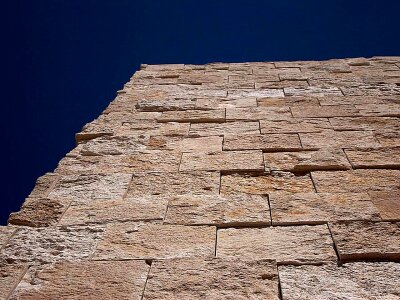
{"points": [[387, 203], [165, 105], [151, 127], [232, 210], [43, 185], [96, 129], [282, 84], [153, 241], [224, 161], [314, 91], [265, 142], [356, 100], [287, 101], [224, 128], [324, 111], [318, 208], [256, 93], [382, 110], [212, 103], [10, 275], [193, 116], [257, 113], [387, 158], [366, 123], [257, 279], [190, 144], [287, 245], [367, 240], [114, 145], [293, 125]]}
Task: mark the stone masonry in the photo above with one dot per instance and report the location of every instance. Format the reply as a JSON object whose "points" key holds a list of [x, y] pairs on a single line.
{"points": [[272, 180]]}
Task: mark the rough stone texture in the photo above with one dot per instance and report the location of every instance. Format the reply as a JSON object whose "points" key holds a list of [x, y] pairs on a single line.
{"points": [[367, 240], [377, 280], [287, 245], [287, 101], [151, 241], [193, 116], [224, 128], [10, 275], [293, 125], [150, 127], [43, 185], [305, 161], [212, 103], [85, 280], [324, 111], [374, 158], [115, 145], [232, 210], [5, 234], [366, 123], [265, 142], [257, 113], [387, 203], [317, 208], [212, 279], [191, 144]]}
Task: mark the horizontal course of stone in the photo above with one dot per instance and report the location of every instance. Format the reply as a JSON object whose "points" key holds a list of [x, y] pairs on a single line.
{"points": [[272, 180]]}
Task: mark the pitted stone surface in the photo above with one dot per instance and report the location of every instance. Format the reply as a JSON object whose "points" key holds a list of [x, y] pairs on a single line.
{"points": [[43, 185], [5, 234], [295, 125], [115, 145], [374, 158], [224, 128], [265, 142], [10, 275], [193, 116], [324, 111], [257, 113], [190, 144], [151, 127], [287, 101]]}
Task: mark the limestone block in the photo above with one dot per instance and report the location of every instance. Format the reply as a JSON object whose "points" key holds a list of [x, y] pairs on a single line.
{"points": [[153, 241], [356, 100], [193, 116], [324, 111], [293, 125], [387, 158], [287, 245], [115, 145], [384, 110], [265, 142], [165, 105], [256, 93], [78, 165], [5, 234], [190, 144], [367, 240], [212, 103], [388, 138], [387, 203], [10, 275], [96, 129], [282, 84], [287, 101], [224, 128], [151, 127], [372, 90], [314, 91], [257, 113], [43, 185], [366, 123]]}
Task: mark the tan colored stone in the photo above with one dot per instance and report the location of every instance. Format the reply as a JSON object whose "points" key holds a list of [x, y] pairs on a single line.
{"points": [[265, 142], [232, 210], [256, 279], [152, 241], [356, 100], [324, 111], [96, 129], [287, 245], [356, 181], [190, 144], [257, 113], [388, 139], [374, 158], [212, 103], [193, 116], [165, 105], [314, 91], [287, 101], [85, 280], [265, 184], [5, 234], [224, 128], [256, 93], [114, 145], [282, 84], [366, 123], [174, 183], [318, 208], [384, 110], [371, 90], [10, 275], [43, 185], [338, 139], [387, 203], [153, 128], [366, 240], [79, 165], [293, 125], [377, 280], [224, 161], [305, 161]]}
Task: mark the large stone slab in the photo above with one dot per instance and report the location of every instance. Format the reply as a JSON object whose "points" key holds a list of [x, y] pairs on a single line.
{"points": [[171, 183], [356, 181], [5, 234], [231, 184], [317, 208], [383, 110], [165, 105], [224, 128], [295, 125], [256, 93], [85, 280], [305, 161], [257, 113], [153, 241], [10, 275], [387, 158], [367, 240], [377, 280], [366, 123], [232, 210], [151, 127], [190, 144], [114, 145], [168, 279], [213, 103], [287, 245], [193, 116], [387, 203], [287, 101], [265, 142], [356, 100], [313, 91], [324, 111], [96, 129], [224, 161]]}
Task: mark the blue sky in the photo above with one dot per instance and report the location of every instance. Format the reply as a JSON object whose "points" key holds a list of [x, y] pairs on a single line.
{"points": [[64, 60]]}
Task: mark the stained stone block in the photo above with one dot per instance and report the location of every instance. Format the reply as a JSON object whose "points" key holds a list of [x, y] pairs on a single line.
{"points": [[293, 125], [153, 241], [5, 234], [388, 138], [224, 128], [387, 203], [317, 208], [265, 142], [115, 145], [232, 210], [85, 280], [356, 181], [78, 165], [356, 100], [377, 280], [212, 103], [51, 244], [226, 161], [383, 110], [265, 184], [43, 185], [287, 101], [190, 144], [256, 93], [338, 139], [257, 113], [165, 105], [91, 187], [10, 275], [314, 91], [366, 123], [324, 111], [367, 240], [171, 183], [212, 279], [287, 245], [387, 158], [96, 129], [151, 127], [305, 161], [282, 84], [193, 116]]}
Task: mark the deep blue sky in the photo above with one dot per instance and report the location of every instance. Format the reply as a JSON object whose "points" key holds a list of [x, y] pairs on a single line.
{"points": [[63, 60]]}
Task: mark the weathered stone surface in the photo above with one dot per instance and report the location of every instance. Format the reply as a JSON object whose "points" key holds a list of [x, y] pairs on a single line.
{"points": [[5, 234], [356, 100], [257, 113], [387, 203], [287, 245], [287, 101], [212, 103], [305, 161], [193, 116], [190, 144], [293, 125], [153, 128], [172, 183], [114, 145], [232, 210], [154, 241], [51, 244], [377, 280], [226, 161], [212, 279], [324, 111], [224, 128], [165, 105], [78, 165], [96, 129], [374, 158], [384, 110], [10, 275], [366, 123], [265, 142], [282, 84], [256, 93], [91, 187], [314, 91], [317, 208], [43, 185], [338, 139], [265, 184], [388, 138], [367, 240], [356, 181], [85, 280]]}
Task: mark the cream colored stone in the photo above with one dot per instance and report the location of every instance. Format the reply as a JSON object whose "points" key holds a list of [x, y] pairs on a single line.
{"points": [[43, 185], [387, 203], [287, 245], [153, 241], [96, 129], [324, 111], [193, 116], [144, 128], [314, 91], [115, 145], [374, 158], [257, 113], [224, 128], [190, 144], [265, 142], [256, 93], [282, 84], [212, 103], [293, 125]]}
